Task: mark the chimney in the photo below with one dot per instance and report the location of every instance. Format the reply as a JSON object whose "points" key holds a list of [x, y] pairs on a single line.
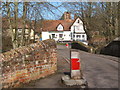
{"points": [[75, 16], [67, 16]]}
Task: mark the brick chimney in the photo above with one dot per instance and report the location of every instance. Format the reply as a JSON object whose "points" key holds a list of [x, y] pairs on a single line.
{"points": [[67, 16]]}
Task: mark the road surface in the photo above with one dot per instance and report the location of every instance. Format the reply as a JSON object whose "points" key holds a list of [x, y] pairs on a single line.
{"points": [[100, 71]]}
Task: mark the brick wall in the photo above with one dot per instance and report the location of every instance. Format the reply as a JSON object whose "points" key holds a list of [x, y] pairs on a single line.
{"points": [[28, 63]]}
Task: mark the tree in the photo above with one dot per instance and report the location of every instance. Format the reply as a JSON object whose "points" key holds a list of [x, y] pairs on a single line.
{"points": [[24, 23], [97, 16], [29, 15]]}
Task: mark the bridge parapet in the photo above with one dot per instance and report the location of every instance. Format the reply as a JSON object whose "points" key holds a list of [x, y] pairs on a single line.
{"points": [[28, 63]]}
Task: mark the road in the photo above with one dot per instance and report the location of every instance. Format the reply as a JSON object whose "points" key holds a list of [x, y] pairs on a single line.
{"points": [[100, 71]]}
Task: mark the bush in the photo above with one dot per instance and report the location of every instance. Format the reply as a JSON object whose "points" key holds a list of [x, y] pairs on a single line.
{"points": [[79, 45]]}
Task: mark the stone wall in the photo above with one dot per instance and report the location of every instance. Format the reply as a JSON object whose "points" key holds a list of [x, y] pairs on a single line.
{"points": [[28, 63]]}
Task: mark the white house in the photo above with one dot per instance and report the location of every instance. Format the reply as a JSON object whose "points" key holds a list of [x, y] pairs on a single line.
{"points": [[64, 30], [28, 29]]}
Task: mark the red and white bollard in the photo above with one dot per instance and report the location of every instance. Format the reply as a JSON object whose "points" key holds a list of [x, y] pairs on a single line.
{"points": [[75, 65], [75, 77]]}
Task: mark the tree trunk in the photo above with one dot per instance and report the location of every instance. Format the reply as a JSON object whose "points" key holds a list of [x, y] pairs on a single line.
{"points": [[10, 24], [16, 43], [29, 32], [119, 18], [24, 24]]}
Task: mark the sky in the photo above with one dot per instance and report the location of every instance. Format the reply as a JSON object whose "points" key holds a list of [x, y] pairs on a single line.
{"points": [[48, 15], [58, 13]]}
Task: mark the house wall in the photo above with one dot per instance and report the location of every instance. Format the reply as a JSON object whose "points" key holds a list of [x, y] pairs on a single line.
{"points": [[26, 32], [22, 65], [32, 34], [48, 35], [78, 26], [81, 37], [79, 30], [45, 35], [56, 35], [67, 35]]}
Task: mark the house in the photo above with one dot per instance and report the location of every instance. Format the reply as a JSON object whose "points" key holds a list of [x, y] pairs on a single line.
{"points": [[64, 30], [28, 28]]}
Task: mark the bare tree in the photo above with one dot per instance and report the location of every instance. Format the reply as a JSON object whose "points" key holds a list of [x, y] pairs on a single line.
{"points": [[97, 16], [15, 42], [24, 24]]}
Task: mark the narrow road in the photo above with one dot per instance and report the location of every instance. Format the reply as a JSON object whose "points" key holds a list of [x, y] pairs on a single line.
{"points": [[99, 71]]}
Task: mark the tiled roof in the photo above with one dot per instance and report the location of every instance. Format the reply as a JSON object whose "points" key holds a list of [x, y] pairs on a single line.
{"points": [[44, 25], [51, 25]]}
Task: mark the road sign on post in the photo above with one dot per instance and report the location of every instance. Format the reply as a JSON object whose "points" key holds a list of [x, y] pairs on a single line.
{"points": [[75, 65]]}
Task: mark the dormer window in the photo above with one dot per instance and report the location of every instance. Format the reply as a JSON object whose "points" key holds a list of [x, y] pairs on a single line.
{"points": [[60, 27]]}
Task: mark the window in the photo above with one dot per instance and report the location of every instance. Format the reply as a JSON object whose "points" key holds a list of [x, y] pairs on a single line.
{"points": [[53, 35], [19, 30], [60, 27], [73, 35], [78, 36], [83, 36], [60, 35], [78, 21]]}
